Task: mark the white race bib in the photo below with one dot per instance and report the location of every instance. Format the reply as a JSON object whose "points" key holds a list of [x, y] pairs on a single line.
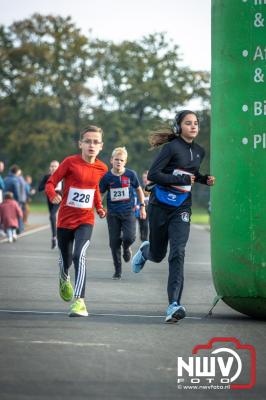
{"points": [[80, 198], [119, 194]]}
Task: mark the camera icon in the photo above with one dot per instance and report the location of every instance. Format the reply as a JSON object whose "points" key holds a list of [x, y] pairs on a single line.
{"points": [[243, 356]]}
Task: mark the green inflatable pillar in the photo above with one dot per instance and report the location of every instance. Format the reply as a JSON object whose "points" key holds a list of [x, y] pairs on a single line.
{"points": [[238, 154]]}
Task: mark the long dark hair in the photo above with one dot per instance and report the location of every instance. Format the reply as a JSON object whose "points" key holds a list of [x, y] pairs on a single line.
{"points": [[161, 136], [167, 133]]}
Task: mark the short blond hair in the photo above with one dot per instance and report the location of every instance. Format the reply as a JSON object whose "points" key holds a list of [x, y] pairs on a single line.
{"points": [[119, 150]]}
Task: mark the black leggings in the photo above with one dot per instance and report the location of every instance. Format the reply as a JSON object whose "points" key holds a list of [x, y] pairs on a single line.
{"points": [[143, 229], [169, 225], [80, 237], [53, 208]]}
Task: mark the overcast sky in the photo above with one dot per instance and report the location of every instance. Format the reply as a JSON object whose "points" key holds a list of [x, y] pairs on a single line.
{"points": [[187, 22]]}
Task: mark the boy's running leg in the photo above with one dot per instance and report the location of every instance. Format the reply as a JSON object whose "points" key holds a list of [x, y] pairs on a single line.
{"points": [[115, 241], [82, 241], [128, 234], [65, 244]]}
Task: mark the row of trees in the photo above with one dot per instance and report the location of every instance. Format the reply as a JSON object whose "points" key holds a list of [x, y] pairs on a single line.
{"points": [[54, 80]]}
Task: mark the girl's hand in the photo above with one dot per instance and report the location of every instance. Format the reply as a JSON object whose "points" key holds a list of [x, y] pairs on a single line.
{"points": [[211, 180]]}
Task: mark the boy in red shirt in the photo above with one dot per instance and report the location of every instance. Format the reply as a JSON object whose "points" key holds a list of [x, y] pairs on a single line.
{"points": [[81, 175]]}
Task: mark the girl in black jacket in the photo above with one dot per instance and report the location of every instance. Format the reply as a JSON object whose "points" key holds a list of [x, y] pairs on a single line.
{"points": [[173, 172]]}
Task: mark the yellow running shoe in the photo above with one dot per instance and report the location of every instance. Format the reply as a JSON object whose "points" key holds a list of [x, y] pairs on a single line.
{"points": [[78, 309], [65, 289]]}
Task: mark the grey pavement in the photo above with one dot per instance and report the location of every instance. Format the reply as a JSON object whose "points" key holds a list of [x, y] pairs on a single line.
{"points": [[123, 350]]}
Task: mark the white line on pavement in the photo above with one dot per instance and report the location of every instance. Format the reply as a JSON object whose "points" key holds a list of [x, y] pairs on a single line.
{"points": [[90, 314], [35, 230], [78, 344], [45, 257], [60, 342]]}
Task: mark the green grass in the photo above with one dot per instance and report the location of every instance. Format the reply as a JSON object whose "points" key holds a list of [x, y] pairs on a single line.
{"points": [[199, 216], [38, 208]]}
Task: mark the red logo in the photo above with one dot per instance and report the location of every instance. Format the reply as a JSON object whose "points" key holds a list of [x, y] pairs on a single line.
{"points": [[222, 363]]}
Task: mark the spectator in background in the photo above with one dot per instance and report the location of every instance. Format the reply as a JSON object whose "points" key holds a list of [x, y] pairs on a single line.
{"points": [[2, 185], [10, 213], [2, 188], [11, 182], [22, 198], [30, 191], [53, 208], [143, 223]]}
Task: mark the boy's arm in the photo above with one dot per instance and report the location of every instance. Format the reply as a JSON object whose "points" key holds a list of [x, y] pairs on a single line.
{"points": [[98, 198], [103, 185], [101, 188], [141, 199], [98, 203]]}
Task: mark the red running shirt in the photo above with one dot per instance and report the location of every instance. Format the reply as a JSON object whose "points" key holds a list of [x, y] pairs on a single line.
{"points": [[80, 193]]}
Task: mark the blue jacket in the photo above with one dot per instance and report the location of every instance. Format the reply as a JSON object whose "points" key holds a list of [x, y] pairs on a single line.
{"points": [[12, 184]]}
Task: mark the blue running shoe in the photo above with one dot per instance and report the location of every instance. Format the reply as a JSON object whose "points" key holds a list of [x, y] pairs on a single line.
{"points": [[174, 313], [139, 260]]}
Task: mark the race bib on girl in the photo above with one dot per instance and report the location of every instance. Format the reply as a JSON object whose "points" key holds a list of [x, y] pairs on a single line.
{"points": [[182, 188], [119, 194], [80, 198]]}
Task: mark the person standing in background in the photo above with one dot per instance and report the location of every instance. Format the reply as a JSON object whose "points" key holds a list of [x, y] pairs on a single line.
{"points": [[143, 223], [30, 191], [23, 198], [52, 208], [13, 184], [2, 185]]}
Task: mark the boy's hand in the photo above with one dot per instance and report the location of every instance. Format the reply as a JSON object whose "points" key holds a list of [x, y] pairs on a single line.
{"points": [[57, 199], [102, 212], [142, 213]]}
